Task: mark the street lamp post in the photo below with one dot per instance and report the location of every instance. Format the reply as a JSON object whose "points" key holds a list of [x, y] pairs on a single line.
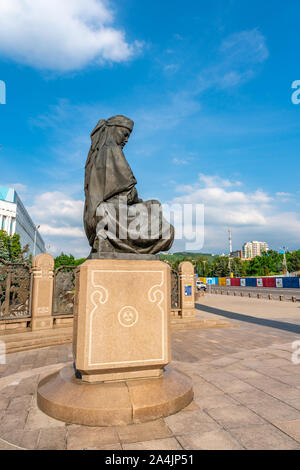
{"points": [[204, 264], [229, 265], [285, 262]]}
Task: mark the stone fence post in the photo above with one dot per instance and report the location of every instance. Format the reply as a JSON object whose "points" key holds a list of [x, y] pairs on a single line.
{"points": [[187, 289], [42, 292]]}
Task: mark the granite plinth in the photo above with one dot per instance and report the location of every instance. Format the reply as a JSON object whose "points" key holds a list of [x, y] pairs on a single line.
{"points": [[68, 399], [121, 321]]}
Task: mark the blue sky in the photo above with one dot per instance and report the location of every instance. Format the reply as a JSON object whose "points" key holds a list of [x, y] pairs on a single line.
{"points": [[208, 85]]}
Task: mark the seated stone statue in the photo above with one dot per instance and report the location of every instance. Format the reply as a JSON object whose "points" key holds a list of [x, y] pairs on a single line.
{"points": [[116, 221]]}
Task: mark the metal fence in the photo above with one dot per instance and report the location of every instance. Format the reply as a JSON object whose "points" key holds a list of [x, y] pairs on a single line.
{"points": [[16, 282], [15, 290], [175, 286], [64, 290]]}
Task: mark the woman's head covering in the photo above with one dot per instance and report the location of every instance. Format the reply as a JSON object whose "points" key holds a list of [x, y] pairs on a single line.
{"points": [[100, 134], [121, 121]]}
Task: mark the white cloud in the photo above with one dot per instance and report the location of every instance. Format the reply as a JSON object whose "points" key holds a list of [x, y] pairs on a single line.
{"points": [[240, 55], [19, 187], [61, 219], [214, 180], [180, 161], [56, 206], [245, 47], [252, 215], [284, 197], [169, 113], [171, 68], [61, 35], [69, 232], [224, 206]]}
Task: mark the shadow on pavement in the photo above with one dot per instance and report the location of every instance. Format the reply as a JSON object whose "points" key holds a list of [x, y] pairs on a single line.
{"points": [[279, 325]]}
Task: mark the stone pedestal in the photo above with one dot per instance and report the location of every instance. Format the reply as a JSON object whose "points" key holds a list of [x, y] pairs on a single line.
{"points": [[42, 293], [121, 348], [119, 403], [187, 290], [122, 327]]}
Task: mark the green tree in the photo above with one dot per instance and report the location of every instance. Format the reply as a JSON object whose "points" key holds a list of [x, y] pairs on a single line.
{"points": [[293, 261], [80, 261], [206, 265], [15, 246], [67, 260], [203, 267], [238, 267], [10, 248], [220, 267], [4, 248], [267, 264]]}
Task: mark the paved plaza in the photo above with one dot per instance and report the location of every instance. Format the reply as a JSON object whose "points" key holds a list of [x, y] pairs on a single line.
{"points": [[247, 389]]}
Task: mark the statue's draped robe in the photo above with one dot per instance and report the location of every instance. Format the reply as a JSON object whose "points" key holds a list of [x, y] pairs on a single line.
{"points": [[109, 180]]}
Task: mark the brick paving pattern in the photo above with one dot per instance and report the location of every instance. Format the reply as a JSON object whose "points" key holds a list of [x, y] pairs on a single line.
{"points": [[247, 390]]}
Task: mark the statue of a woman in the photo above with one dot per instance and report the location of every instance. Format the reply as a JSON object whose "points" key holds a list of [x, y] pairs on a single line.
{"points": [[115, 219]]}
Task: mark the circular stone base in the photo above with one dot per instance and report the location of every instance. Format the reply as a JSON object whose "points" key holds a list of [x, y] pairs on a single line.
{"points": [[66, 398]]}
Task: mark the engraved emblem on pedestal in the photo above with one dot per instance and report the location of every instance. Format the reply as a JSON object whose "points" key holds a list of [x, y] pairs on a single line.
{"points": [[128, 317]]}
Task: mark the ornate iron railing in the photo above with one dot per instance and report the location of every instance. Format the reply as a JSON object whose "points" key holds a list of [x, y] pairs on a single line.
{"points": [[175, 285], [64, 290], [15, 290]]}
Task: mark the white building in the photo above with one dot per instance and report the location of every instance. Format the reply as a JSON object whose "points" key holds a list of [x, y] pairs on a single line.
{"points": [[14, 218], [253, 249]]}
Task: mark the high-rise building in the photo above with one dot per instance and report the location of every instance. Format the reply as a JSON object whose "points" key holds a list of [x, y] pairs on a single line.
{"points": [[253, 249], [14, 218]]}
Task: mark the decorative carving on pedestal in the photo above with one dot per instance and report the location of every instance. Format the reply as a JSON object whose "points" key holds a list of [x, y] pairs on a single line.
{"points": [[128, 317], [42, 294]]}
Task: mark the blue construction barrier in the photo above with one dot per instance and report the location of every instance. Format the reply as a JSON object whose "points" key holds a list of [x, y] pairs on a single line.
{"points": [[251, 282], [291, 282], [281, 282]]}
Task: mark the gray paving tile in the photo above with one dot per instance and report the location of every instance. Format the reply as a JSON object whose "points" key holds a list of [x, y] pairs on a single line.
{"points": [[266, 437], [157, 444], [292, 428], [235, 416], [209, 440], [190, 421]]}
